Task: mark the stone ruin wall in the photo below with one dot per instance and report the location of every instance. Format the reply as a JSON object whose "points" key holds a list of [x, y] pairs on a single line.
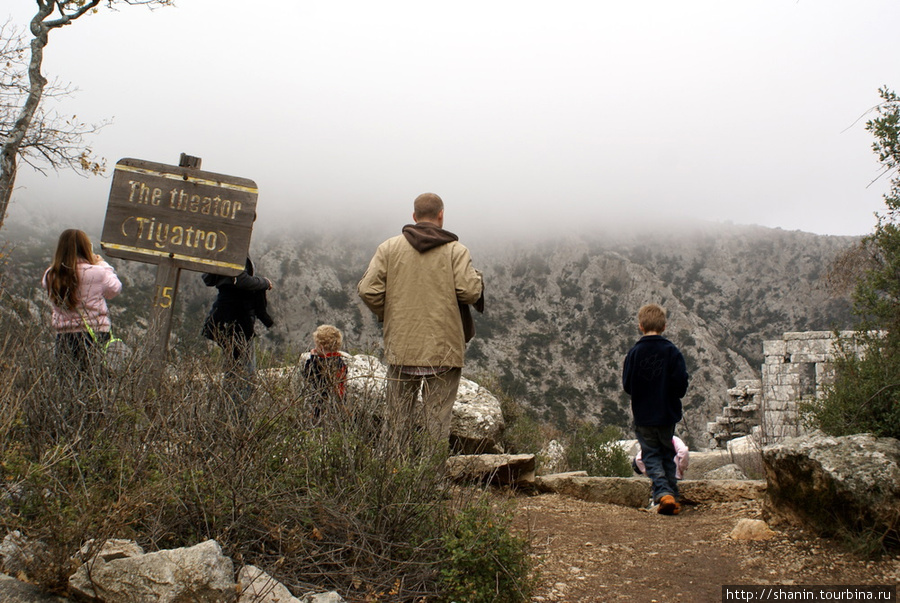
{"points": [[797, 367], [740, 415]]}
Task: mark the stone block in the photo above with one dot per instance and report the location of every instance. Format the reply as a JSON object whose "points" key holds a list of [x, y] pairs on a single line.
{"points": [[791, 379], [810, 356], [780, 393], [779, 420], [773, 347], [492, 468], [769, 371], [721, 490], [556, 481], [772, 405], [806, 335], [791, 368], [780, 405], [626, 491], [825, 373]]}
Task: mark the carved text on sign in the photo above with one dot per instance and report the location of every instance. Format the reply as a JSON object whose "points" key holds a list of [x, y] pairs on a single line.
{"points": [[180, 200], [163, 235]]}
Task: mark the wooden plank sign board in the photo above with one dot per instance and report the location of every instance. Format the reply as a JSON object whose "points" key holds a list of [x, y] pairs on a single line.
{"points": [[199, 220]]}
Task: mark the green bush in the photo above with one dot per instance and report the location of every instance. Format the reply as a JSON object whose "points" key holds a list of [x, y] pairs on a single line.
{"points": [[484, 559], [595, 449], [865, 394]]}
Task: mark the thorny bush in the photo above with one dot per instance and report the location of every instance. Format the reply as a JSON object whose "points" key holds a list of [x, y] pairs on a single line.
{"points": [[320, 503]]}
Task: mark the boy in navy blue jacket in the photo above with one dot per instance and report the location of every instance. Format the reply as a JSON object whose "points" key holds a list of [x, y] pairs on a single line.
{"points": [[656, 378]]}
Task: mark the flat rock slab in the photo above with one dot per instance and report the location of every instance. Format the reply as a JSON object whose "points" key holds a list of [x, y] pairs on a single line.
{"points": [[492, 468], [635, 491]]}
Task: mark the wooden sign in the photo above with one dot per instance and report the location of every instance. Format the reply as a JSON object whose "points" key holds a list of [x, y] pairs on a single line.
{"points": [[188, 218]]}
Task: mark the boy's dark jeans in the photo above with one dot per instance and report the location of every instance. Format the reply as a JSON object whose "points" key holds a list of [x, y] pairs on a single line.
{"points": [[658, 454]]}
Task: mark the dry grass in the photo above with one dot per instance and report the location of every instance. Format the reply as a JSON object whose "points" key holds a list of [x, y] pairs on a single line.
{"points": [[318, 503]]}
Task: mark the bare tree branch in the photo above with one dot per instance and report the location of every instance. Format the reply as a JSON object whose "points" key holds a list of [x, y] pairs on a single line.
{"points": [[28, 132]]}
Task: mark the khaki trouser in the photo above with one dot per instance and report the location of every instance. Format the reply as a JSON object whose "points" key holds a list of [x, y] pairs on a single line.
{"points": [[405, 416]]}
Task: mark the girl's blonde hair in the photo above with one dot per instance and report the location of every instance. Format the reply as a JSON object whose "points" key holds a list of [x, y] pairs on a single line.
{"points": [[328, 338], [62, 278]]}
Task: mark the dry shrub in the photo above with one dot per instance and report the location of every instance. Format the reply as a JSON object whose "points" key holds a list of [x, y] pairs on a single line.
{"points": [[318, 502]]}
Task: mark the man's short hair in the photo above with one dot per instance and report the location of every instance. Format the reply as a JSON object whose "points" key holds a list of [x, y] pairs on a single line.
{"points": [[328, 339], [427, 206], [652, 317]]}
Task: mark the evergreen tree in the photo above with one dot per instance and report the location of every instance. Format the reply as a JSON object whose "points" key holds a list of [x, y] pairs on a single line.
{"points": [[865, 396]]}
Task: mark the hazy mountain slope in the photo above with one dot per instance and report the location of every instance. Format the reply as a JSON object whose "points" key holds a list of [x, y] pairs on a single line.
{"points": [[560, 314], [753, 283]]}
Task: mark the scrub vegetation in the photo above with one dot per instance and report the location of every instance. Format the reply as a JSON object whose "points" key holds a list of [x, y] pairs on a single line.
{"points": [[321, 504]]}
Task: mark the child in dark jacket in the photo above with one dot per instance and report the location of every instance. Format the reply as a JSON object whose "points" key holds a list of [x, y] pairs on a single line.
{"points": [[656, 378], [325, 370], [240, 300]]}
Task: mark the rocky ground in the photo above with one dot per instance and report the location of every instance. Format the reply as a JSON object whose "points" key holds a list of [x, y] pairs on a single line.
{"points": [[599, 552], [589, 552]]}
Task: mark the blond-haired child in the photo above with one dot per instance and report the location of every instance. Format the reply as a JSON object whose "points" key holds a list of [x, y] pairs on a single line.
{"points": [[656, 378], [325, 370]]}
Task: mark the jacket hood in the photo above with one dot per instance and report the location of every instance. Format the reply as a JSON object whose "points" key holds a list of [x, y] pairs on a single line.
{"points": [[424, 236], [217, 280]]}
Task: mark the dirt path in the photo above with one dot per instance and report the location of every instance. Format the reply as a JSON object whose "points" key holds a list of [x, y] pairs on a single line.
{"points": [[599, 552]]}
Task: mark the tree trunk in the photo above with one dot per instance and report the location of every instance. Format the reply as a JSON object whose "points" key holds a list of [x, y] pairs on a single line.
{"points": [[9, 153]]}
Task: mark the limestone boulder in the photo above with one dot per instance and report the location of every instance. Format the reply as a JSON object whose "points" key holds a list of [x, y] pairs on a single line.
{"points": [[751, 529], [630, 447], [366, 379], [18, 554], [199, 574], [704, 462], [256, 586], [836, 483], [477, 424], [553, 458], [16, 591], [731, 471], [112, 548], [329, 597]]}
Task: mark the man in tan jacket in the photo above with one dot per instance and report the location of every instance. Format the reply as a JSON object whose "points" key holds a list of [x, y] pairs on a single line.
{"points": [[415, 284]]}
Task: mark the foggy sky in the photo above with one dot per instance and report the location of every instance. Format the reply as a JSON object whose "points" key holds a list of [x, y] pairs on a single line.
{"points": [[521, 115]]}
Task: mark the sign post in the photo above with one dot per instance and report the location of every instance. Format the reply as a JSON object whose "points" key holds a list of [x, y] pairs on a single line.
{"points": [[178, 218]]}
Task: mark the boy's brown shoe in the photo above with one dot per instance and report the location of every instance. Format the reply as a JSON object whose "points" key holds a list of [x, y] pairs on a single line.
{"points": [[668, 505]]}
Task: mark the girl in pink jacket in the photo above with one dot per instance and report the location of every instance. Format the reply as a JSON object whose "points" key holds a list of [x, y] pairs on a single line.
{"points": [[79, 283], [682, 456]]}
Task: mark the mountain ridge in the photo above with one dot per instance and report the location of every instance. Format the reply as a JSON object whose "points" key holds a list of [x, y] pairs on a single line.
{"points": [[560, 313]]}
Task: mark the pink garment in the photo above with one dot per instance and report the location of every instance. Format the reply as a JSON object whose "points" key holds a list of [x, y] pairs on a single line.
{"points": [[682, 455], [96, 284]]}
